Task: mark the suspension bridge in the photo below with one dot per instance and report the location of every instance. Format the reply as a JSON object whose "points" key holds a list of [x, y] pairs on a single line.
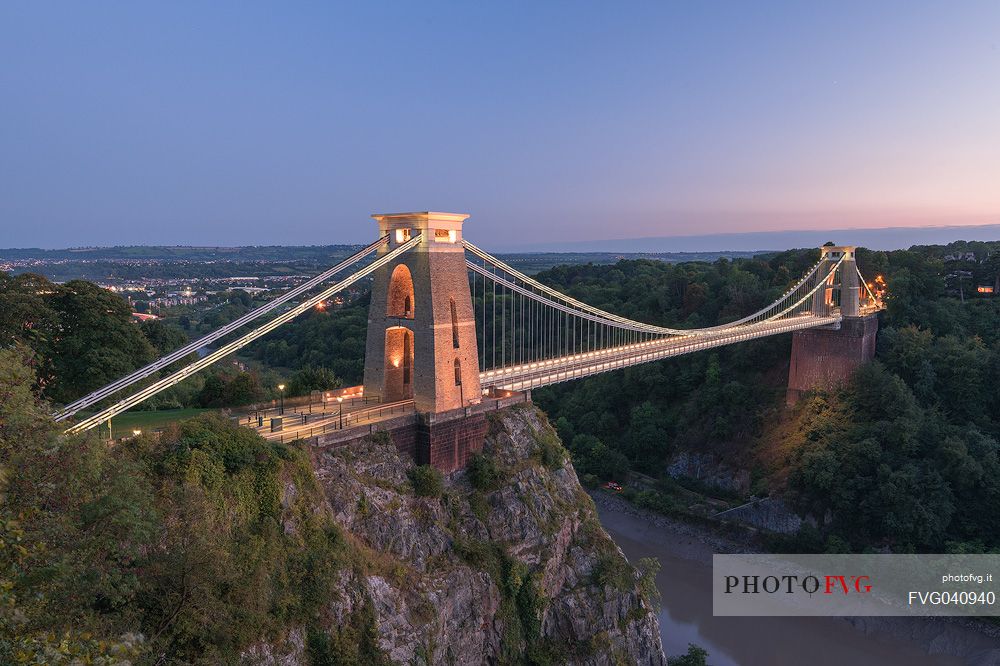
{"points": [[453, 330]]}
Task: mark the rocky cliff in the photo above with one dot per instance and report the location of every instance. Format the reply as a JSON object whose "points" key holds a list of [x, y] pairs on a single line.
{"points": [[505, 562]]}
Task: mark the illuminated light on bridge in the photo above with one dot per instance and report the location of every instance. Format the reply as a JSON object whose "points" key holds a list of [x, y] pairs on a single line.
{"points": [[450, 326]]}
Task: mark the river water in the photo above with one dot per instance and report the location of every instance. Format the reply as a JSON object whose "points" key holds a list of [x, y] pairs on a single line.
{"points": [[685, 586]]}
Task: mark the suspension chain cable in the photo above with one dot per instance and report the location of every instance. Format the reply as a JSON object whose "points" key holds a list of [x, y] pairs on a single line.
{"points": [[635, 325], [241, 342], [194, 346], [569, 343]]}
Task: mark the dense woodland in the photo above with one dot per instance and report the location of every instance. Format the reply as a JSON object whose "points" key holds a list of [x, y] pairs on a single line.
{"points": [[904, 457]]}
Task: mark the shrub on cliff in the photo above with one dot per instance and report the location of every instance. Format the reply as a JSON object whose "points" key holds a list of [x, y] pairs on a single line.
{"points": [[484, 472], [550, 450], [427, 481]]}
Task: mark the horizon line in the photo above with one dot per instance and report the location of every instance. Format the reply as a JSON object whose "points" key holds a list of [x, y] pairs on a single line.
{"points": [[569, 244]]}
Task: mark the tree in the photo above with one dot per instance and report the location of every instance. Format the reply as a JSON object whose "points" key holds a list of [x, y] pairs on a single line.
{"points": [[182, 599], [310, 379], [241, 298], [321, 340], [591, 456], [695, 656], [222, 390], [164, 337], [213, 393], [695, 296], [97, 343], [244, 389], [25, 316], [993, 266], [647, 440]]}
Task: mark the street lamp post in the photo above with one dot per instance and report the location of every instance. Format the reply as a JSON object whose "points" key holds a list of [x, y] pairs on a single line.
{"points": [[340, 404], [281, 397]]}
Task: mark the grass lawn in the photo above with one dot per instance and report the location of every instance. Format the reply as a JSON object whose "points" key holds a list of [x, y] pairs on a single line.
{"points": [[123, 424]]}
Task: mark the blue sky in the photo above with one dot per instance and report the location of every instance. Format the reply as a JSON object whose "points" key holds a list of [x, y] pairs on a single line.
{"points": [[289, 123]]}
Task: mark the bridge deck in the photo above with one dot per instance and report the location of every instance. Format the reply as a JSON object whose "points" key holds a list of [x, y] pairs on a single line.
{"points": [[542, 373], [298, 423]]}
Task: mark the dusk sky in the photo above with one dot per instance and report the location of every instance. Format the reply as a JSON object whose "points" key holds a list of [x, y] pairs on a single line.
{"points": [[289, 123]]}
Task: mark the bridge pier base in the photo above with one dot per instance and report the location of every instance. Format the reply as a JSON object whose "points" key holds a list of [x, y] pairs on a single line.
{"points": [[446, 441], [826, 357]]}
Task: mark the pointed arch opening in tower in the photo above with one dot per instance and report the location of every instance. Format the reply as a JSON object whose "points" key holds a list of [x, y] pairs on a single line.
{"points": [[400, 301], [454, 324], [398, 364]]}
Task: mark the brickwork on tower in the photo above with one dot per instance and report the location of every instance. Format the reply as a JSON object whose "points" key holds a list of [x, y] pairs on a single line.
{"points": [[825, 357]]}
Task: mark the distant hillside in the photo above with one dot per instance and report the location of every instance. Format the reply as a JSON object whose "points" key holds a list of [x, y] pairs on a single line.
{"points": [[893, 238], [182, 253], [136, 262]]}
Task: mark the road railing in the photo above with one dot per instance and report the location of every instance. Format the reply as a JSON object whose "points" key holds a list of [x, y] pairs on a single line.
{"points": [[336, 422]]}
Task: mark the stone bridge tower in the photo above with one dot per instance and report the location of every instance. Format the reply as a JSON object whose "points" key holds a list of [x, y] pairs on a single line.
{"points": [[826, 357], [422, 336], [842, 289]]}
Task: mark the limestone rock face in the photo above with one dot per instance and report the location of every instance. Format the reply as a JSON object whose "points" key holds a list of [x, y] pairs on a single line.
{"points": [[508, 565]]}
